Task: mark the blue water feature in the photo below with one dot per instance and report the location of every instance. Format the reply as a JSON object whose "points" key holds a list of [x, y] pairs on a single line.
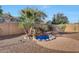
{"points": [[42, 37]]}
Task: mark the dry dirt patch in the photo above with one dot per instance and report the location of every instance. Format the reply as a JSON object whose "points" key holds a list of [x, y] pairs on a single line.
{"points": [[61, 43]]}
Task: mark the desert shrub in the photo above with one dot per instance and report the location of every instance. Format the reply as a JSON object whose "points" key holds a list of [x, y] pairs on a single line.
{"points": [[41, 28], [62, 26]]}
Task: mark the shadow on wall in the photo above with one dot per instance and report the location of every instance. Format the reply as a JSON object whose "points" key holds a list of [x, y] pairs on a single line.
{"points": [[1, 31]]}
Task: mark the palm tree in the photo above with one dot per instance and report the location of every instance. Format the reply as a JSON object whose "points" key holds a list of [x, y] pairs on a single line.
{"points": [[29, 17]]}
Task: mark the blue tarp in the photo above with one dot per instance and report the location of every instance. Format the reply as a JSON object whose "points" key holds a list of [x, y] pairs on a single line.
{"points": [[42, 37]]}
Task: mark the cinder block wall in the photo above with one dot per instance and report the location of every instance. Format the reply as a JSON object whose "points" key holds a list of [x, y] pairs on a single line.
{"points": [[9, 29], [12, 28]]}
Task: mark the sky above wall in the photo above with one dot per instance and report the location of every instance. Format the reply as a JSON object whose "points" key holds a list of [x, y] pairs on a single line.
{"points": [[71, 11]]}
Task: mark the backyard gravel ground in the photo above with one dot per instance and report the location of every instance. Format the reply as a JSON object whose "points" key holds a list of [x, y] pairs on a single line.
{"points": [[17, 44]]}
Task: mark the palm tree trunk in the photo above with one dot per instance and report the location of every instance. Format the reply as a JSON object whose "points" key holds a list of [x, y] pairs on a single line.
{"points": [[26, 33], [25, 29]]}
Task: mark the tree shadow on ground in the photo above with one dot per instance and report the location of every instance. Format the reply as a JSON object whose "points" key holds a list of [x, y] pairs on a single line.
{"points": [[9, 36], [68, 33], [72, 35]]}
